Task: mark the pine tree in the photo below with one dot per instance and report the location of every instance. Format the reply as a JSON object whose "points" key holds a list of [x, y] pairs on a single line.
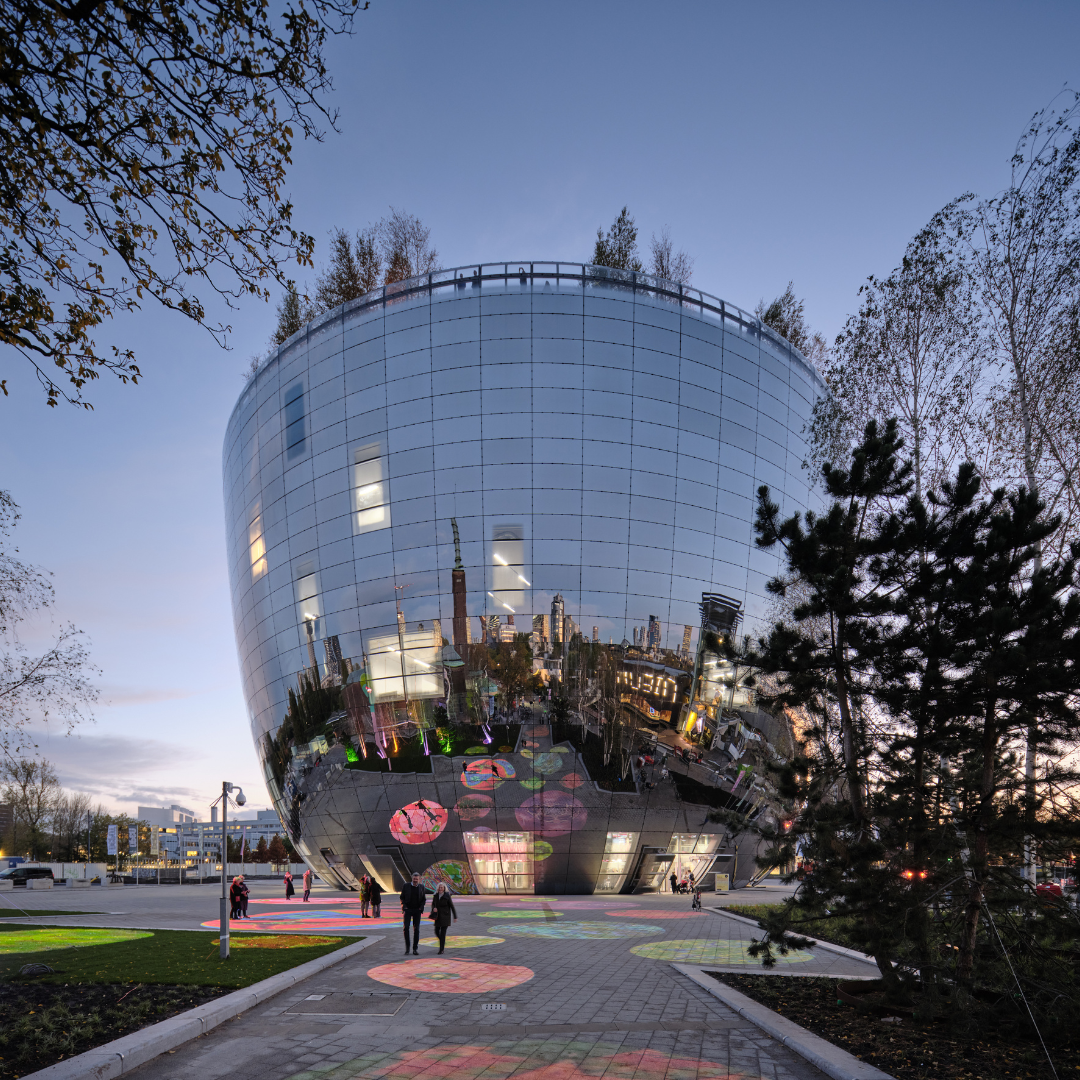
{"points": [[927, 639], [290, 315], [618, 249]]}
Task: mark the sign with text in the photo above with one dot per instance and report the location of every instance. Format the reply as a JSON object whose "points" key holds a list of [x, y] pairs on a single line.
{"points": [[111, 842], [133, 839]]}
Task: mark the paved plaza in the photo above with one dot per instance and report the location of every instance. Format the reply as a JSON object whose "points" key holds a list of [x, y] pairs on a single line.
{"points": [[529, 988]]}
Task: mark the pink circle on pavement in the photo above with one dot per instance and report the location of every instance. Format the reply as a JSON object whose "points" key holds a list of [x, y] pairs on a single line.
{"points": [[441, 976]]}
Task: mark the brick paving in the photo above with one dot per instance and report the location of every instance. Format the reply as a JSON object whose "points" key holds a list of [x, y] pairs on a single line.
{"points": [[592, 1009]]}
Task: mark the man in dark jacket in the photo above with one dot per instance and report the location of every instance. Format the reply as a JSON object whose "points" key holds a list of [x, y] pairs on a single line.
{"points": [[413, 902]]}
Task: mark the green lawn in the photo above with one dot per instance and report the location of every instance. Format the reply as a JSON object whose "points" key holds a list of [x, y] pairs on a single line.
{"points": [[43, 912], [176, 957]]}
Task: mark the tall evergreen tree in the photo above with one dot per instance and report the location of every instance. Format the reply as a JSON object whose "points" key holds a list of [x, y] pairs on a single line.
{"points": [[618, 248], [926, 640]]}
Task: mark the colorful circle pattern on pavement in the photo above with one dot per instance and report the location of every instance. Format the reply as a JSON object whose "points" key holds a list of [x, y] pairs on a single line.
{"points": [[464, 941], [442, 976], [486, 774], [703, 951], [519, 913], [452, 873], [474, 807], [586, 931], [62, 937], [551, 813], [640, 913], [419, 822], [319, 920]]}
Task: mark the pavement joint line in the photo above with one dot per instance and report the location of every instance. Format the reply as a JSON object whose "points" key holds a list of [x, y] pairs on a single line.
{"points": [[827, 945], [824, 1055], [126, 1054]]}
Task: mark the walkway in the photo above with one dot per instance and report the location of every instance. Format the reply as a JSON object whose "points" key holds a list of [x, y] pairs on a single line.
{"points": [[530, 990]]}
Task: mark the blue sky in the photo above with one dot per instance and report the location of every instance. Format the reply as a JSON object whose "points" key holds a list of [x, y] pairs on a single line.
{"points": [[777, 140]]}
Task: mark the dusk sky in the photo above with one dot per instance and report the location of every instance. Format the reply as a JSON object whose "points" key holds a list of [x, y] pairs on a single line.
{"points": [[777, 141]]}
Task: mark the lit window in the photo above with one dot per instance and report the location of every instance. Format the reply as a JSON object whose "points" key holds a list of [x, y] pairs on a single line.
{"points": [[256, 547], [371, 505], [307, 594]]}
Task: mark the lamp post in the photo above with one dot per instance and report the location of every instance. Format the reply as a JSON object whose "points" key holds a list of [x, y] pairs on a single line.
{"points": [[226, 787]]}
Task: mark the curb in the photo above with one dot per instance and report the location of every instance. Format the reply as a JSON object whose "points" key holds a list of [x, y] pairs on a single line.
{"points": [[827, 945], [125, 1054], [830, 1059]]}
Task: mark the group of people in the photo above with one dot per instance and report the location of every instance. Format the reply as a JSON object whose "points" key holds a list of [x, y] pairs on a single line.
{"points": [[684, 886], [238, 898], [414, 901], [290, 891], [370, 897]]}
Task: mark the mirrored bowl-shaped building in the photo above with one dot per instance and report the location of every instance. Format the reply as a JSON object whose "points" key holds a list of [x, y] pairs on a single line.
{"points": [[496, 486]]}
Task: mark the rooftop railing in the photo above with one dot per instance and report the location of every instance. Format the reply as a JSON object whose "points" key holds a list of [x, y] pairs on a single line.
{"points": [[561, 275]]}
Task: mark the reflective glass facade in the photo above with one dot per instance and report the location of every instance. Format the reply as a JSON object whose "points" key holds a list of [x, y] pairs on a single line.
{"points": [[593, 441]]}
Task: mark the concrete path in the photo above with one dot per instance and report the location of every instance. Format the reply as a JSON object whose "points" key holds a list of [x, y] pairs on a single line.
{"points": [[529, 990]]}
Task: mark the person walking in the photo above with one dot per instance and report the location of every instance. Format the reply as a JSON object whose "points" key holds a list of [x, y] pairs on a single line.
{"points": [[375, 890], [242, 895], [365, 896], [443, 910], [290, 892], [234, 898], [674, 882], [307, 884], [413, 902]]}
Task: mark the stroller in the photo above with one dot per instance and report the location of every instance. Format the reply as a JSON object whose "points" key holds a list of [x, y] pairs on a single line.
{"points": [[695, 904]]}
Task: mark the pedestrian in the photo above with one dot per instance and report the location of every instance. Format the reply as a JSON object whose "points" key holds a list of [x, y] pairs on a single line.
{"points": [[290, 892], [242, 898], [307, 884], [442, 911], [376, 897], [413, 902], [691, 882], [674, 882], [365, 896], [234, 898]]}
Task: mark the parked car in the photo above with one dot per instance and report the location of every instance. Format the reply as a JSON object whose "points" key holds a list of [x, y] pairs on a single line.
{"points": [[19, 875]]}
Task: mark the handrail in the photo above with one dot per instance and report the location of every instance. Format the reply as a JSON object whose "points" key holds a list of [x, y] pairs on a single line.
{"points": [[527, 273]]}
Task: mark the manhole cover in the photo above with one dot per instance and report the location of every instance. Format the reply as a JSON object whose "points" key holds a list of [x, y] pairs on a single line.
{"points": [[351, 1004], [490, 1006]]}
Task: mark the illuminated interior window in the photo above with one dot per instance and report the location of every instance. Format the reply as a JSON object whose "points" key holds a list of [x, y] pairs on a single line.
{"points": [[694, 853], [256, 548], [308, 605], [371, 505], [619, 852], [501, 862], [407, 660]]}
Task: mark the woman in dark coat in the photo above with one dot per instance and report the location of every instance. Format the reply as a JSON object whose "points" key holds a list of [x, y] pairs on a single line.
{"points": [[375, 891], [443, 910], [289, 890], [234, 898]]}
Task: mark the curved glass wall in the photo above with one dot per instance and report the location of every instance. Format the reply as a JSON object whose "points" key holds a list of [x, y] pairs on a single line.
{"points": [[464, 492]]}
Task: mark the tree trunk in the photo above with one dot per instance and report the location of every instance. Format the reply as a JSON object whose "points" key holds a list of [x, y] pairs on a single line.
{"points": [[981, 849]]}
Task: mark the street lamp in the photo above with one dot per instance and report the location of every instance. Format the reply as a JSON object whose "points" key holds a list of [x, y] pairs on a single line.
{"points": [[241, 798]]}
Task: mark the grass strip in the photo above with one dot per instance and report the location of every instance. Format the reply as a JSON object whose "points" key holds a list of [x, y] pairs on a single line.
{"points": [[41, 1024], [173, 957]]}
